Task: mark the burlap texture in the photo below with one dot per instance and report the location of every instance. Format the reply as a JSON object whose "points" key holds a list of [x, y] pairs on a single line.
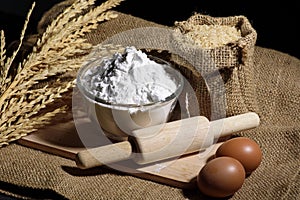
{"points": [[234, 62], [29, 173]]}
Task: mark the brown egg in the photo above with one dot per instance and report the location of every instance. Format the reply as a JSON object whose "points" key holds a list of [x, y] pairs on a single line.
{"points": [[244, 149], [221, 177]]}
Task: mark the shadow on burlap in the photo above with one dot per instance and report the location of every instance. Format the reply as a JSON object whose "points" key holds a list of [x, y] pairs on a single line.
{"points": [[28, 173]]}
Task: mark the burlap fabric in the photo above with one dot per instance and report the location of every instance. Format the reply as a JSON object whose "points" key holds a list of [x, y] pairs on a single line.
{"points": [[28, 173], [234, 61]]}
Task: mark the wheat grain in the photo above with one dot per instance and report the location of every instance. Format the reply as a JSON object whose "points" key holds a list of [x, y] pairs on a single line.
{"points": [[38, 100], [6, 63], [17, 131], [212, 36], [61, 20], [11, 59]]}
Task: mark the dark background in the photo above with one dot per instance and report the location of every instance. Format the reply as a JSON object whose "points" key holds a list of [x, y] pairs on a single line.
{"points": [[276, 23]]}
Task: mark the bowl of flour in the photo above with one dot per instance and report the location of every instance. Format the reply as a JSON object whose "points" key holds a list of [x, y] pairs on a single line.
{"points": [[129, 90]]}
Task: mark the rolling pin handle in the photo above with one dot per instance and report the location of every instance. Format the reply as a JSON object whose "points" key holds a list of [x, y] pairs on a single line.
{"points": [[103, 155], [228, 126]]}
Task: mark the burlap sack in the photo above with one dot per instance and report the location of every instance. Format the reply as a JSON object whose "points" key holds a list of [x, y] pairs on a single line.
{"points": [[232, 61], [31, 174]]}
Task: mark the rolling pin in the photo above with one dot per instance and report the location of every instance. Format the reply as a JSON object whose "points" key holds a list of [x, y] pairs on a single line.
{"points": [[168, 140]]}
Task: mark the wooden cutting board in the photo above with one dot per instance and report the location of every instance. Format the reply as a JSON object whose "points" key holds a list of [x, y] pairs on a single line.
{"points": [[63, 140]]}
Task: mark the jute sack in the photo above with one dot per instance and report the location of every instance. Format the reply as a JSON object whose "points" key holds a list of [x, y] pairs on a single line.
{"points": [[232, 61]]}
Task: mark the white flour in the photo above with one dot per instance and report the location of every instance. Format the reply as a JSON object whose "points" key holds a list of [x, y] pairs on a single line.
{"points": [[130, 78]]}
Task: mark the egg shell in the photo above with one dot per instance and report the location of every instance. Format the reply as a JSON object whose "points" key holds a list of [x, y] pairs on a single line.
{"points": [[221, 177], [244, 149]]}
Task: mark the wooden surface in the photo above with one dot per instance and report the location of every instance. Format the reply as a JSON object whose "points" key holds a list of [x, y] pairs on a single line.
{"points": [[67, 139]]}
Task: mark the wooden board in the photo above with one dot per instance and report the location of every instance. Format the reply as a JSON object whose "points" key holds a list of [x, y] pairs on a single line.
{"points": [[63, 140]]}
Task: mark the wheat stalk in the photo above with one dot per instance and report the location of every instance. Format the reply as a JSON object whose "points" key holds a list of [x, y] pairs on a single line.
{"points": [[2, 55], [5, 66], [60, 50], [62, 19]]}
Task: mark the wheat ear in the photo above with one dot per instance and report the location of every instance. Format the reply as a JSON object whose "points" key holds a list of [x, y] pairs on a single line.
{"points": [[5, 65], [62, 49]]}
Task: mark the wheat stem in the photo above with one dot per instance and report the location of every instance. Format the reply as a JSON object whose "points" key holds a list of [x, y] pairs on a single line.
{"points": [[58, 24], [10, 60], [2, 52]]}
